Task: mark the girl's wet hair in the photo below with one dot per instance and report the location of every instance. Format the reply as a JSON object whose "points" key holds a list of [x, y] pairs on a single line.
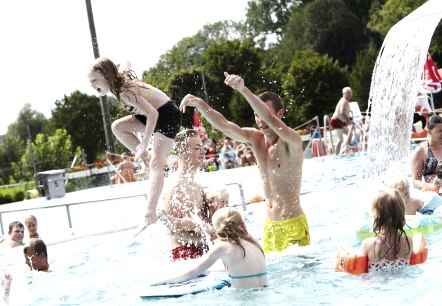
{"points": [[229, 226], [117, 80], [389, 216], [433, 121]]}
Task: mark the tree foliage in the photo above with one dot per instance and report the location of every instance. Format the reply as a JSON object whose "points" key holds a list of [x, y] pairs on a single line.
{"points": [[312, 86], [268, 17], [14, 142], [360, 77], [49, 153], [186, 53], [303, 50], [80, 115], [384, 16]]}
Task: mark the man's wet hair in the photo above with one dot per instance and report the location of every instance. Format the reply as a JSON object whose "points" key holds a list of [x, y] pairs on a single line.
{"points": [[274, 98]]}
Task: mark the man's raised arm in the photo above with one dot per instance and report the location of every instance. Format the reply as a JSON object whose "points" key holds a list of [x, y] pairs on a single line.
{"points": [[260, 108], [216, 119]]}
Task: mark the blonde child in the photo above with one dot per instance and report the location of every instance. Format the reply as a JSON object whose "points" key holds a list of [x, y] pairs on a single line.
{"points": [[391, 249], [153, 113], [31, 226], [241, 253], [412, 205], [214, 199]]}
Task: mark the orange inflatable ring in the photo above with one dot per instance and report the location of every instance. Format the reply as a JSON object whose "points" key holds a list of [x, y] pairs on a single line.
{"points": [[358, 264], [255, 199], [421, 134]]}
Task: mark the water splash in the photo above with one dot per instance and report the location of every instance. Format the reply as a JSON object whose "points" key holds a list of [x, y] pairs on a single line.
{"points": [[395, 81]]}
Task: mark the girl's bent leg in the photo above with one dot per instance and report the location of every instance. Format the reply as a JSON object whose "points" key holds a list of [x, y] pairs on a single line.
{"points": [[125, 128]]}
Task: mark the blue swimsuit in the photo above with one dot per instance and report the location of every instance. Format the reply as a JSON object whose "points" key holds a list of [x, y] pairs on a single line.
{"points": [[248, 276]]}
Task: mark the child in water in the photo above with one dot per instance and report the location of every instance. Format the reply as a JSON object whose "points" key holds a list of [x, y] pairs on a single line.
{"points": [[36, 259], [241, 253], [31, 226], [391, 249], [153, 113]]}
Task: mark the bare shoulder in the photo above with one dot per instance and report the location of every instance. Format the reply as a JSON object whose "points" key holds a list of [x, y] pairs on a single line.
{"points": [[406, 247], [421, 148], [416, 203], [367, 245], [219, 248]]}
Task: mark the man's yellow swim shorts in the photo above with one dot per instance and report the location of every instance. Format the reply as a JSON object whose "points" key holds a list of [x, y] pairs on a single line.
{"points": [[278, 235]]}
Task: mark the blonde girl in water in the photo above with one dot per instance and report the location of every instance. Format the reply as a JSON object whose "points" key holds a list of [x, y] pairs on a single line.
{"points": [[241, 253], [391, 249], [153, 113]]}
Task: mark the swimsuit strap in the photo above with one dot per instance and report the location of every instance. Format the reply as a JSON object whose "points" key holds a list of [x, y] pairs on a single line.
{"points": [[149, 92], [248, 276], [390, 247]]}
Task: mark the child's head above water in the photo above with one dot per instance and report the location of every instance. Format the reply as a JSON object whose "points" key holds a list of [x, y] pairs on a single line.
{"points": [[388, 210], [229, 226], [31, 225], [36, 255], [400, 183], [215, 198]]}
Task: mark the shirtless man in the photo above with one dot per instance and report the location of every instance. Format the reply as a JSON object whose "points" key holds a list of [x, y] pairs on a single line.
{"points": [[341, 117], [16, 234], [183, 201], [279, 154]]}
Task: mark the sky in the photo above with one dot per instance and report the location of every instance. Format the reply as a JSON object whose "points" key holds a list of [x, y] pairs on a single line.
{"points": [[46, 45]]}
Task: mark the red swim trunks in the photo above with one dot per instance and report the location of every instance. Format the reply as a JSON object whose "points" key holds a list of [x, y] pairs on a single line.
{"points": [[336, 123], [185, 252]]}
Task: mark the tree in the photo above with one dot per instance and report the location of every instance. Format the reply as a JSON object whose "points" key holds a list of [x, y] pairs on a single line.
{"points": [[182, 83], [326, 27], [80, 115], [386, 15], [50, 152], [14, 142], [312, 86], [360, 77], [27, 117], [268, 17], [235, 57], [185, 53]]}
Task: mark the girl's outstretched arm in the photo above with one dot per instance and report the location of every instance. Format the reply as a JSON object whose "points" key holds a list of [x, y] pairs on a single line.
{"points": [[202, 265]]}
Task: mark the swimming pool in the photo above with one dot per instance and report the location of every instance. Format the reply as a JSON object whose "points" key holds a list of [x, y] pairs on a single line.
{"points": [[112, 269]]}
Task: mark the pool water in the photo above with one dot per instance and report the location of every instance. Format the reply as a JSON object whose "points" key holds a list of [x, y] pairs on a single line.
{"points": [[113, 269]]}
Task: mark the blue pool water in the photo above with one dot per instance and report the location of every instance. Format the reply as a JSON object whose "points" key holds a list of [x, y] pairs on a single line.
{"points": [[113, 269]]}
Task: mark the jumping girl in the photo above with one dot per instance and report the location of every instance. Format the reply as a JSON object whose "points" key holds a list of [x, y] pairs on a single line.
{"points": [[240, 252], [153, 113]]}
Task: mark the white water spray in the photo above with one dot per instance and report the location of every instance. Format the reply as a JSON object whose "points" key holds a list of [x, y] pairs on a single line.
{"points": [[396, 77]]}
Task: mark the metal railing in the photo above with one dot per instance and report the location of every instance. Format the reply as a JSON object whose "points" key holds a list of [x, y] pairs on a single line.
{"points": [[66, 205], [85, 202], [332, 147]]}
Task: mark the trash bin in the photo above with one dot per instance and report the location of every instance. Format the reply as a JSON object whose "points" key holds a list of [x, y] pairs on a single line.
{"points": [[51, 183]]}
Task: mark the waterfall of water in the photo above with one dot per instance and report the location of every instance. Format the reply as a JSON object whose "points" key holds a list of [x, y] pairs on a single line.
{"points": [[396, 77]]}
